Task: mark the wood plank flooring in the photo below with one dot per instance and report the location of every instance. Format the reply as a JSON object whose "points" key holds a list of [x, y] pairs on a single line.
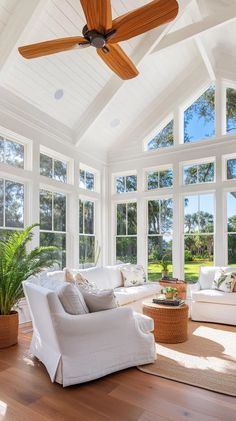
{"points": [[27, 394]]}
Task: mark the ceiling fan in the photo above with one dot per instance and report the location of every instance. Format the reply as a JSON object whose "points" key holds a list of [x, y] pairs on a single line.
{"points": [[103, 33]]}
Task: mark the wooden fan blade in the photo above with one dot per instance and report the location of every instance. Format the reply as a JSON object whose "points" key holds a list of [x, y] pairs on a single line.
{"points": [[118, 61], [97, 14], [52, 47], [143, 19]]}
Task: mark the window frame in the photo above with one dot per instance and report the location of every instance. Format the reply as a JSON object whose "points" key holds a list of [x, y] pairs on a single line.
{"points": [[25, 142], [225, 159], [114, 225], [156, 131], [56, 156], [24, 184], [158, 169], [196, 162], [95, 211], [124, 174]]}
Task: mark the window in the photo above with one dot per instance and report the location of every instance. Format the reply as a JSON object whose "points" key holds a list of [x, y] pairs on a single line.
{"points": [[86, 180], [86, 232], [126, 183], [199, 173], [11, 153], [199, 118], [160, 222], [231, 110], [159, 179], [53, 223], [198, 234], [164, 138], [231, 169], [53, 168], [231, 223], [126, 232], [11, 205]]}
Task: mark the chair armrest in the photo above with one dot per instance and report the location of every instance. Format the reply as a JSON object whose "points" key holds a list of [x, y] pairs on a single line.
{"points": [[192, 288]]}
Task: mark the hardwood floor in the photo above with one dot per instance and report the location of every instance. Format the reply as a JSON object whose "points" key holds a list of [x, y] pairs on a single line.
{"points": [[27, 394]]}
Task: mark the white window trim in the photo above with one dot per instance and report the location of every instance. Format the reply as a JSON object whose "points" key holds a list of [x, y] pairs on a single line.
{"points": [[14, 180], [225, 158], [225, 210], [123, 174]]}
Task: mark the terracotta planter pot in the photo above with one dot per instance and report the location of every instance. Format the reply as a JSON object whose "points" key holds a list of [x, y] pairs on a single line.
{"points": [[9, 329], [170, 295]]}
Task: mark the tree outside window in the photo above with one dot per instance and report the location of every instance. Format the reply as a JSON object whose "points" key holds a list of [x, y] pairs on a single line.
{"points": [[126, 232]]}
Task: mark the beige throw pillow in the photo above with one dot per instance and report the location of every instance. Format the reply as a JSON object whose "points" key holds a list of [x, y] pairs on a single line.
{"points": [[77, 278], [133, 275], [71, 299], [99, 300]]}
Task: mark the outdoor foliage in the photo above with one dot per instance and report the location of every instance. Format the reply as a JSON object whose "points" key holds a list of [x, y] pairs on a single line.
{"points": [[164, 138], [17, 264]]}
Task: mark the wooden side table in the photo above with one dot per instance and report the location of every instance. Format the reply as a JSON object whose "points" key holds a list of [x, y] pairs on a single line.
{"points": [[181, 286], [170, 323]]}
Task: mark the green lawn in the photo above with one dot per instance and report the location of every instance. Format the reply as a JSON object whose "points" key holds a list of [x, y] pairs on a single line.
{"points": [[191, 270]]}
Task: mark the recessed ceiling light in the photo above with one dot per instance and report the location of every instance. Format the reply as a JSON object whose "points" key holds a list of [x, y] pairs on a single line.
{"points": [[58, 94], [115, 122]]}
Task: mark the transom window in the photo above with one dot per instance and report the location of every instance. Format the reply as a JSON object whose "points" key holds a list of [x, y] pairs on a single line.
{"points": [[53, 168], [53, 223], [231, 227], [159, 179], [86, 180], [164, 138], [160, 224], [126, 183], [86, 232], [198, 233], [11, 205], [126, 232], [231, 110], [231, 169], [199, 118], [11, 152], [199, 173]]}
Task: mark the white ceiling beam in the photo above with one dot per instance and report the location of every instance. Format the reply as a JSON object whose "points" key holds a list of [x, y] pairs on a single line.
{"points": [[19, 25], [111, 89], [206, 57], [188, 32]]}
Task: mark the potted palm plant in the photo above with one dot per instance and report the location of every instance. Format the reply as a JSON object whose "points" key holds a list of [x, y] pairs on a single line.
{"points": [[164, 263], [16, 265]]}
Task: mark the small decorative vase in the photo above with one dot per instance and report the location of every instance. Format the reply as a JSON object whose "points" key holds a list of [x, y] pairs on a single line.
{"points": [[170, 295]]}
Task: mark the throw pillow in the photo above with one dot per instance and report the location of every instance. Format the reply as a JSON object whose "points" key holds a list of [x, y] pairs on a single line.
{"points": [[99, 300], [224, 281], [71, 299], [133, 275], [77, 278]]}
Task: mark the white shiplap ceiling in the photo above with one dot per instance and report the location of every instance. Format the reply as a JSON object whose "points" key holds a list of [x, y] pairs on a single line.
{"points": [[97, 107]]}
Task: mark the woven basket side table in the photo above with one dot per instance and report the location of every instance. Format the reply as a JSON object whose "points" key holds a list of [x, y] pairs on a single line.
{"points": [[170, 323]]}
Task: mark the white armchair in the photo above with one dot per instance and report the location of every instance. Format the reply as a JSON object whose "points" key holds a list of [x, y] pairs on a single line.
{"points": [[76, 349]]}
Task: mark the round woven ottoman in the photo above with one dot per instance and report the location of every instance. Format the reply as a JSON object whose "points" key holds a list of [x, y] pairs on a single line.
{"points": [[170, 323]]}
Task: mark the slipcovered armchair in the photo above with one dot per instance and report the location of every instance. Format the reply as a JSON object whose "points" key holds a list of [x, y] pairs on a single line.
{"points": [[76, 349]]}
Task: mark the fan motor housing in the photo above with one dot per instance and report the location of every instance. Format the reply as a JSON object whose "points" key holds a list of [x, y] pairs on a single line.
{"points": [[96, 39]]}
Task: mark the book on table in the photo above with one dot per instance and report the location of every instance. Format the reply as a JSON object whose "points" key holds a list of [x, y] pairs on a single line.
{"points": [[175, 302]]}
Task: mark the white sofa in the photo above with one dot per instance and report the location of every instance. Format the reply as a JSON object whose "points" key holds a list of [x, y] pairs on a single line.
{"points": [[210, 305], [76, 349]]}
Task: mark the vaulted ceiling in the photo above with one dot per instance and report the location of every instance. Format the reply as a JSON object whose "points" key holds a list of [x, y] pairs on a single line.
{"points": [[96, 109]]}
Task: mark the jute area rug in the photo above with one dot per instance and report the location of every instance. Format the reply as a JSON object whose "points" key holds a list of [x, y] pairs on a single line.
{"points": [[207, 359]]}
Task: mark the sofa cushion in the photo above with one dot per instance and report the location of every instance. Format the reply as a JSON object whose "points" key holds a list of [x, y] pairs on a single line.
{"points": [[97, 276], [71, 299], [214, 296], [206, 276], [126, 295]]}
